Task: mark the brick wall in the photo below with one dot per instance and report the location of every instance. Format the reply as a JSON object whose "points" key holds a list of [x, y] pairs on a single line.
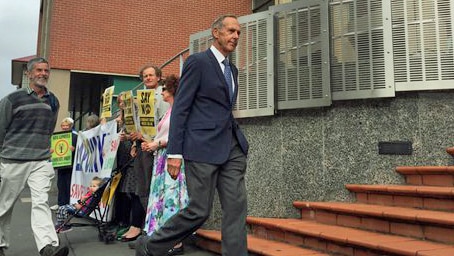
{"points": [[118, 36]]}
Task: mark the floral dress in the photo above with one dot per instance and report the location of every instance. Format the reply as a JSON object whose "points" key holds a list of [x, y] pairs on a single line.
{"points": [[167, 196]]}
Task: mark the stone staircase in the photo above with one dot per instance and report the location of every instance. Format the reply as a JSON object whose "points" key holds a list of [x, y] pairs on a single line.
{"points": [[413, 219]]}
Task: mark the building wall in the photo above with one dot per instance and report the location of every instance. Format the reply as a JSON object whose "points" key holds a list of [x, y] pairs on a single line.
{"points": [[311, 154], [120, 36], [59, 84]]}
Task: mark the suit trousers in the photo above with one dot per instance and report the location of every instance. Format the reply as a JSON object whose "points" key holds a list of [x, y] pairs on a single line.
{"points": [[38, 175], [202, 180]]}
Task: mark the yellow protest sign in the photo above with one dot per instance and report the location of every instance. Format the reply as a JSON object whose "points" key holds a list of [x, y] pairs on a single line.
{"points": [[107, 102], [61, 144], [129, 111], [145, 103]]}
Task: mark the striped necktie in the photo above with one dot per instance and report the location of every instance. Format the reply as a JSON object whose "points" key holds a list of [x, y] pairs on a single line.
{"points": [[228, 77]]}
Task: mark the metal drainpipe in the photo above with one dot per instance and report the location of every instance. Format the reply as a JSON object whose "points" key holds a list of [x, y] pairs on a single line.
{"points": [[181, 63], [45, 29]]}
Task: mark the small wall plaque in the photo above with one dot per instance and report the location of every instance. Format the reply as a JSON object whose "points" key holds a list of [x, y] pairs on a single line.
{"points": [[395, 148]]}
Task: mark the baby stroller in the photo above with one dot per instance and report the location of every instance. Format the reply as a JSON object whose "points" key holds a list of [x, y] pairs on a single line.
{"points": [[104, 194], [90, 206]]}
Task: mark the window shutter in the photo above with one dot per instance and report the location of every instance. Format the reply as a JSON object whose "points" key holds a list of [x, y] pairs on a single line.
{"points": [[200, 41], [254, 57], [423, 54], [302, 54], [361, 49]]}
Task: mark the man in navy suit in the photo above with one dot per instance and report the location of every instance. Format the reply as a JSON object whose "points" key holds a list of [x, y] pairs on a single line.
{"points": [[205, 134]]}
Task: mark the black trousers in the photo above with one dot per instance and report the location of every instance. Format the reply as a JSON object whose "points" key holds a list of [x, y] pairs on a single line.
{"points": [[64, 185], [122, 209], [137, 211]]}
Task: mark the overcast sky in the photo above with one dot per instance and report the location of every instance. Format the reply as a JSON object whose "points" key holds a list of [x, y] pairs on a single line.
{"points": [[19, 33]]}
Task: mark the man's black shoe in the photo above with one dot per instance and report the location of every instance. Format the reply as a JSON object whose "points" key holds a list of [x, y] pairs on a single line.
{"points": [[176, 251], [141, 250], [50, 250]]}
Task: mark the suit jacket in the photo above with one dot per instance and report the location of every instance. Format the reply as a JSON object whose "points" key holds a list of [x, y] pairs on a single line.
{"points": [[202, 123]]}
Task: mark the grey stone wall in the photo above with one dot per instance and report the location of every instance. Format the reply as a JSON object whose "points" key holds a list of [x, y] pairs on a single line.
{"points": [[311, 154]]}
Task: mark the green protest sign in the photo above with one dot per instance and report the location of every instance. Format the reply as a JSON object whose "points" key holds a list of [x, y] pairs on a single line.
{"points": [[61, 145]]}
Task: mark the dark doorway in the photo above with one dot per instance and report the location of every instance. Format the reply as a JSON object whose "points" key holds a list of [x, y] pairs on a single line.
{"points": [[85, 95]]}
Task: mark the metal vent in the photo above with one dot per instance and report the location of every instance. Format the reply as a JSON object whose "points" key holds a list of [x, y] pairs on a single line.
{"points": [[254, 59], [303, 54], [422, 40], [200, 41], [358, 50], [395, 147]]}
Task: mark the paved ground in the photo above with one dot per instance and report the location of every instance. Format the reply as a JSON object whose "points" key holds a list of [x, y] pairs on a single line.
{"points": [[82, 241]]}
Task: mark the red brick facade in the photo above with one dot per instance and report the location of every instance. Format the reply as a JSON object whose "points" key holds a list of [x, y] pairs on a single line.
{"points": [[118, 36]]}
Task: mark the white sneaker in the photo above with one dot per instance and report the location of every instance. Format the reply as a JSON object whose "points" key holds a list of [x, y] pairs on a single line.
{"points": [[54, 207]]}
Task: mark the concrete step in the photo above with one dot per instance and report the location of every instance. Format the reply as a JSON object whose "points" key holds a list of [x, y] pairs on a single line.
{"points": [[211, 240], [342, 240], [450, 151], [428, 175], [423, 224], [423, 197]]}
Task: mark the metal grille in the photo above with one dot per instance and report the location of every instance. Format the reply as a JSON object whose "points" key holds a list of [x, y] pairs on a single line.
{"points": [[200, 42], [422, 41], [302, 57], [254, 60], [358, 44]]}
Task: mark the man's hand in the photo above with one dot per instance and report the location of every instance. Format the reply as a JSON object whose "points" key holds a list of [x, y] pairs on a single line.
{"points": [[136, 136], [149, 146], [133, 152], [173, 167], [124, 136]]}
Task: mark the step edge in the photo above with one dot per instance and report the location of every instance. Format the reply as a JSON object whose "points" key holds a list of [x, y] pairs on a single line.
{"points": [[354, 241], [417, 216], [215, 235], [422, 170], [423, 191]]}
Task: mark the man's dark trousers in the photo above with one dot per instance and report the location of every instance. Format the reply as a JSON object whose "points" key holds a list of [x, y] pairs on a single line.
{"points": [[202, 180]]}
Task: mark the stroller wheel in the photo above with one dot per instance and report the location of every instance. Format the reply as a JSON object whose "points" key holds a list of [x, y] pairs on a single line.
{"points": [[100, 237], [109, 238]]}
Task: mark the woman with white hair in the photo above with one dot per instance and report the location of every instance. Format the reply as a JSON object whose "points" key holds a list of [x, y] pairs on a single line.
{"points": [[64, 173]]}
